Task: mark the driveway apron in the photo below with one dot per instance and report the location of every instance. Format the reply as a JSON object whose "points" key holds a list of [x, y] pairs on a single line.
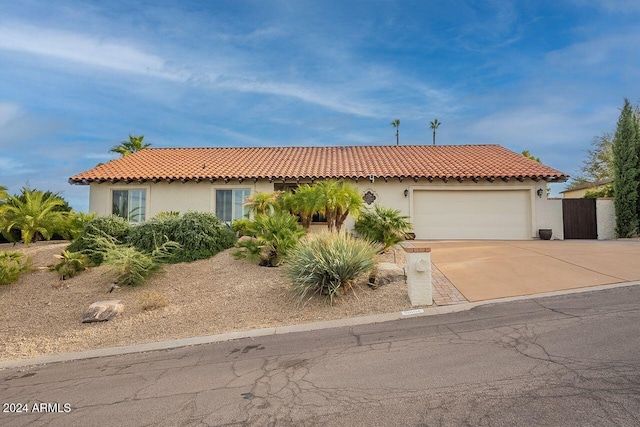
{"points": [[483, 270]]}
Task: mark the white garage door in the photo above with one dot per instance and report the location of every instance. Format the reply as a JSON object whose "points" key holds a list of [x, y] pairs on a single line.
{"points": [[481, 214]]}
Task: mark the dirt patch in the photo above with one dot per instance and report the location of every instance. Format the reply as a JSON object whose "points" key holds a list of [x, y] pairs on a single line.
{"points": [[40, 315]]}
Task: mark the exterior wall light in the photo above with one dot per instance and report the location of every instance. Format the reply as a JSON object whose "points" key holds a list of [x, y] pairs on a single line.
{"points": [[406, 192], [540, 192]]}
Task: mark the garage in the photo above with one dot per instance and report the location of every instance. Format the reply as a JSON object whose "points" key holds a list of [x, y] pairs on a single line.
{"points": [[479, 214]]}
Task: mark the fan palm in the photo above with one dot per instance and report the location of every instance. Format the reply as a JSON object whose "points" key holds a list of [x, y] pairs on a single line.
{"points": [[396, 124], [263, 203], [434, 125], [135, 143], [339, 199], [305, 203]]}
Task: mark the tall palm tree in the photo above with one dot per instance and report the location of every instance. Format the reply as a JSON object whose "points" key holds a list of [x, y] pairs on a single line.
{"points": [[131, 146], [34, 214], [396, 124], [434, 125]]}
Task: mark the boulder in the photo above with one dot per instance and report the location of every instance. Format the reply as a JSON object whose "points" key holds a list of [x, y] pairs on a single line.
{"points": [[102, 311], [385, 273]]}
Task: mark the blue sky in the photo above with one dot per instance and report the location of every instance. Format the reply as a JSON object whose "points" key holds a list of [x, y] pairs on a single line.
{"points": [[77, 77]]}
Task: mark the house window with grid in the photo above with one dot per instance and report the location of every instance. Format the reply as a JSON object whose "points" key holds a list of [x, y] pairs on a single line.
{"points": [[229, 204], [130, 204]]}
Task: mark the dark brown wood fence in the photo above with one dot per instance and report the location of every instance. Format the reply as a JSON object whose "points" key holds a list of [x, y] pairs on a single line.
{"points": [[579, 219]]}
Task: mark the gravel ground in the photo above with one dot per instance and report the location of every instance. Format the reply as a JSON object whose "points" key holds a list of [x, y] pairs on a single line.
{"points": [[40, 315]]}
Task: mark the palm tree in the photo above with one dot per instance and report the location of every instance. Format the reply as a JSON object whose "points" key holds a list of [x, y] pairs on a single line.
{"points": [[131, 146], [338, 200], [34, 214], [3, 193], [305, 202], [396, 124], [263, 203], [434, 125]]}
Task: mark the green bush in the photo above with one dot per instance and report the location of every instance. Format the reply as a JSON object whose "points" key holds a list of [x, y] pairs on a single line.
{"points": [[114, 228], [275, 235], [12, 264], [199, 234], [383, 225], [131, 266], [70, 264], [327, 264], [241, 227]]}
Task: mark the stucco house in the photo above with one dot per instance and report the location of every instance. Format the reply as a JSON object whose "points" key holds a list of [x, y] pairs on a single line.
{"points": [[448, 192], [581, 190]]}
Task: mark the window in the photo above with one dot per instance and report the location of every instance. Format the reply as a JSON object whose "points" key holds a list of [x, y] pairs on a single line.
{"points": [[229, 204], [130, 204]]}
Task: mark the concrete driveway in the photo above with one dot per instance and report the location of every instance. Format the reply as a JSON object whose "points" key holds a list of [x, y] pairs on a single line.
{"points": [[483, 270]]}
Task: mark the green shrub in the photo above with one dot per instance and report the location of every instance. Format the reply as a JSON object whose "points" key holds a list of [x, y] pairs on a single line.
{"points": [[199, 234], [113, 229], [164, 214], [75, 224], [70, 264], [327, 264], [131, 266], [241, 227], [383, 225], [275, 235], [12, 264]]}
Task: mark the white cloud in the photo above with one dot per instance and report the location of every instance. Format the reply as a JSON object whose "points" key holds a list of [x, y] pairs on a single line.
{"points": [[8, 113], [83, 48]]}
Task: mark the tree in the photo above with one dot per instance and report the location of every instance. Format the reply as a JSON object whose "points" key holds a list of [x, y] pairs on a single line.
{"points": [[263, 203], [339, 199], [434, 125], [396, 124], [626, 145], [131, 146], [34, 214], [598, 164], [3, 193], [528, 155], [304, 202]]}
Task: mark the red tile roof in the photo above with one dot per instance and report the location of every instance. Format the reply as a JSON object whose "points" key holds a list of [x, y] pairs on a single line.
{"points": [[417, 161]]}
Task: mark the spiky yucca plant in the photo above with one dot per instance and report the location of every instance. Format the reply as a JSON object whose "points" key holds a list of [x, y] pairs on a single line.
{"points": [[328, 263]]}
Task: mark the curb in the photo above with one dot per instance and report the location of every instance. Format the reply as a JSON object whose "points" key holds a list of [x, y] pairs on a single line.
{"points": [[280, 330]]}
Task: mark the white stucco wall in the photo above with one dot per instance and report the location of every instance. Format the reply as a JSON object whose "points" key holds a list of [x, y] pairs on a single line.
{"points": [[178, 196], [606, 219], [549, 215], [175, 196]]}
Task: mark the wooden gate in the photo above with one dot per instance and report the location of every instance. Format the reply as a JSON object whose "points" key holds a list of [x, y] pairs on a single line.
{"points": [[579, 218]]}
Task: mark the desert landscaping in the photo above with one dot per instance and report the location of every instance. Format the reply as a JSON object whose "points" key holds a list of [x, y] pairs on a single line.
{"points": [[41, 315]]}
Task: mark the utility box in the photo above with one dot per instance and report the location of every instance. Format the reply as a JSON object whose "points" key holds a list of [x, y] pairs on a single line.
{"points": [[418, 273]]}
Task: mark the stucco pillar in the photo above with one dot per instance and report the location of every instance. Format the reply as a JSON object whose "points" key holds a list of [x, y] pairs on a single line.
{"points": [[418, 273]]}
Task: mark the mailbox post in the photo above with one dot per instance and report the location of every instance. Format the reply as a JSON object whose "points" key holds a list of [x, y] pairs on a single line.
{"points": [[418, 273]]}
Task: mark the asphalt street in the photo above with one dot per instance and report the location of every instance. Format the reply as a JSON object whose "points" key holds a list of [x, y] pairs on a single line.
{"points": [[571, 360]]}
